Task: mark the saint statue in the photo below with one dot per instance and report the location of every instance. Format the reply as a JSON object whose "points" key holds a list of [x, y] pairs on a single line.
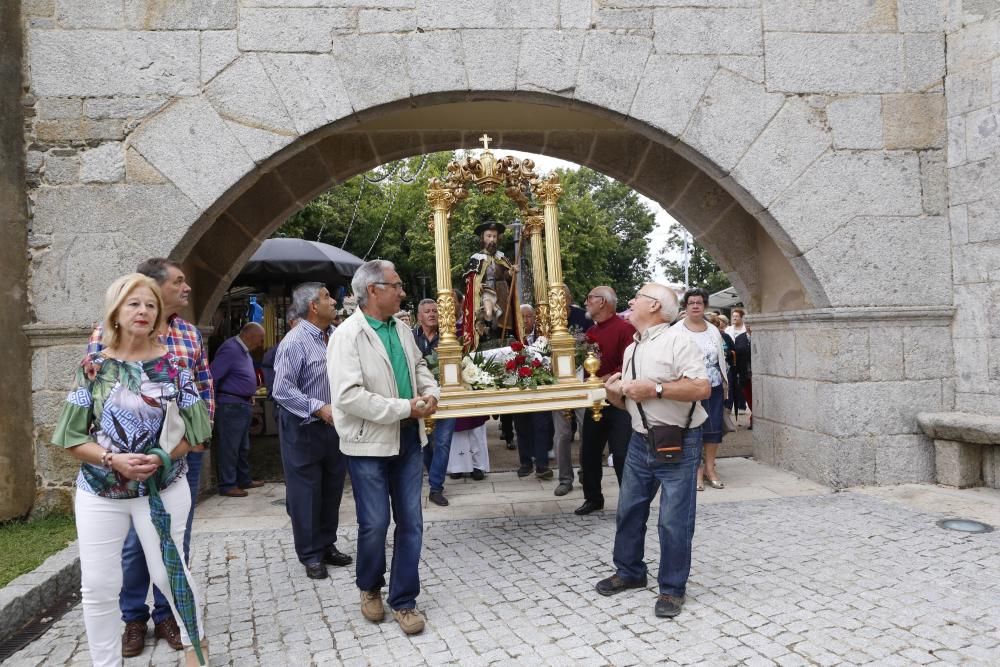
{"points": [[491, 301]]}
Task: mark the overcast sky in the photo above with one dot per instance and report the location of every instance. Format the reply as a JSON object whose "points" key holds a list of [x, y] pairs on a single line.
{"points": [[657, 239]]}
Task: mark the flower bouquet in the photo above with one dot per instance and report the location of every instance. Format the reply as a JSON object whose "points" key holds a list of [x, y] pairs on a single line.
{"points": [[520, 366]]}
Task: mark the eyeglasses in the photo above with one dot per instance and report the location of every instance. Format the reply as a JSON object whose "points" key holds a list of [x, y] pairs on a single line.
{"points": [[395, 286], [638, 294]]}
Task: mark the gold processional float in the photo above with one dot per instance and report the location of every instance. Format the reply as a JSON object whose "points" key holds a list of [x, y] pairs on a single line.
{"points": [[519, 182]]}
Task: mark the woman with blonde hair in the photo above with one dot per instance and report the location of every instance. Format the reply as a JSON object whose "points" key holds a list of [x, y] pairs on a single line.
{"points": [[130, 419]]}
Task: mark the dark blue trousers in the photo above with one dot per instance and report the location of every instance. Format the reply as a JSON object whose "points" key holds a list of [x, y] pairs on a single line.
{"points": [[535, 434], [314, 483]]}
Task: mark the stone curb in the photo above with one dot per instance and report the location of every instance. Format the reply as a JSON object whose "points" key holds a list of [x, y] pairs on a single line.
{"points": [[27, 597]]}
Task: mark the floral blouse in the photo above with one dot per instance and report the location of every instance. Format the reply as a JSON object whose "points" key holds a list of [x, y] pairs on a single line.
{"points": [[120, 405]]}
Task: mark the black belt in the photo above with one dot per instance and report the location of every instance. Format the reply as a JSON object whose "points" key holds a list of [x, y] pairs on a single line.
{"points": [[245, 398]]}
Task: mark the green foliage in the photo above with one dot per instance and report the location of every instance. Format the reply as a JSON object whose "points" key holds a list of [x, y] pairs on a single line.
{"points": [[25, 544], [702, 269], [603, 226]]}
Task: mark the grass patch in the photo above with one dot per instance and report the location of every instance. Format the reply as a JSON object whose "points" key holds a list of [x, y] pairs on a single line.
{"points": [[25, 545]]}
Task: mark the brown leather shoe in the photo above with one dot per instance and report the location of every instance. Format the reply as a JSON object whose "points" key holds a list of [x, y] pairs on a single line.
{"points": [[256, 484], [167, 629], [133, 639], [235, 492]]}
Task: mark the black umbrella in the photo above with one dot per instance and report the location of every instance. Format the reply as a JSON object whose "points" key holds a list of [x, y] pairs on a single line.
{"points": [[298, 260]]}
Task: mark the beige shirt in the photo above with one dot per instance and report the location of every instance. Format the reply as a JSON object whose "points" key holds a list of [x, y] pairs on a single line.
{"points": [[663, 354]]}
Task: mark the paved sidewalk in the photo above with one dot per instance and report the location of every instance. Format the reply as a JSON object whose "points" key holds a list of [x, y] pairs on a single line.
{"points": [[784, 573]]}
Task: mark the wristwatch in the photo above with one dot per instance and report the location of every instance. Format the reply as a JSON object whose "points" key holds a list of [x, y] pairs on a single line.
{"points": [[659, 390]]}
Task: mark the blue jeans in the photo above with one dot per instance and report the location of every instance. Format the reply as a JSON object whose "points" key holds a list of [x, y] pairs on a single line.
{"points": [[232, 427], [135, 574], [676, 482], [436, 454], [379, 481]]}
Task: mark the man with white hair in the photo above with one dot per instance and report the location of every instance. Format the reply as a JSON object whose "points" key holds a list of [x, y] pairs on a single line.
{"points": [[612, 335], [235, 386], [382, 391], [663, 378], [310, 448], [528, 317]]}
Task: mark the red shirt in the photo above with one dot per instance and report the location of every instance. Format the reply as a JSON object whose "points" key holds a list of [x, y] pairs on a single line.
{"points": [[613, 335]]}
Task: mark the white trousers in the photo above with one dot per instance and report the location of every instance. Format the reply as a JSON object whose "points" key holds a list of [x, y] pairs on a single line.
{"points": [[102, 525]]}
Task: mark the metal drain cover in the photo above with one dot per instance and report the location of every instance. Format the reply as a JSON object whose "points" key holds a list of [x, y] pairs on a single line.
{"points": [[965, 525]]}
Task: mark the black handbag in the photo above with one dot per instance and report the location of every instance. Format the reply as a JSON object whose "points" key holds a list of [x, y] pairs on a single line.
{"points": [[665, 441]]}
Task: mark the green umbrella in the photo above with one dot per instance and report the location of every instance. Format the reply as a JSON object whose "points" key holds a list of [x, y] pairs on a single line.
{"points": [[180, 587]]}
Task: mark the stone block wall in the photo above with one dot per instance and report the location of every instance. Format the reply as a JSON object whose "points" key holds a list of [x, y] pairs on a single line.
{"points": [[837, 143], [973, 107], [836, 391]]}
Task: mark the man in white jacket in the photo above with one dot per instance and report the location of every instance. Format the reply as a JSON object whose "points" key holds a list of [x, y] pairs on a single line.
{"points": [[381, 390]]}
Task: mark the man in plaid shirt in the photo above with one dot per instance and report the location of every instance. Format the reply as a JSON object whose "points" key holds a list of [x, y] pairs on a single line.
{"points": [[183, 340]]}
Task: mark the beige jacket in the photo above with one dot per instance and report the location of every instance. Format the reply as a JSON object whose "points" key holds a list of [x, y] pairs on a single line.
{"points": [[366, 404]]}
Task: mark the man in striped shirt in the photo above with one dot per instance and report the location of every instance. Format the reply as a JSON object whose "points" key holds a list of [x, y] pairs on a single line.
{"points": [[310, 447], [183, 340]]}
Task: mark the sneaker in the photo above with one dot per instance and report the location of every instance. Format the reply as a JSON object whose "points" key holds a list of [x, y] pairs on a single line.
{"points": [[167, 629], [563, 489], [371, 605], [410, 620], [545, 473], [615, 584], [525, 470], [133, 639], [668, 606], [437, 497]]}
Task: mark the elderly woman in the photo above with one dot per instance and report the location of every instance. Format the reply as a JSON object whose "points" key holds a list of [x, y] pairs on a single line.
{"points": [[709, 340], [123, 397]]}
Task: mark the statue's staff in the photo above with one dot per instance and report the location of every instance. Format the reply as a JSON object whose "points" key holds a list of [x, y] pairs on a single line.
{"points": [[513, 284]]}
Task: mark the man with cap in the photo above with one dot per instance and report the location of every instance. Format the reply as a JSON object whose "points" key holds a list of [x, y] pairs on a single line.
{"points": [[491, 302]]}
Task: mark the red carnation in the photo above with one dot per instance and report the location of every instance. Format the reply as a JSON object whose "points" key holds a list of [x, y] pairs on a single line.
{"points": [[524, 372], [519, 360], [535, 363], [517, 347], [510, 365], [591, 337]]}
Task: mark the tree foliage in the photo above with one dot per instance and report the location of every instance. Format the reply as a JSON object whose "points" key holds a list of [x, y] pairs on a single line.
{"points": [[603, 226], [702, 269]]}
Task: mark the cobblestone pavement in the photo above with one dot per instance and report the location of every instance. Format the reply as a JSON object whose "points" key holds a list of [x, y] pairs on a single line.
{"points": [[827, 579]]}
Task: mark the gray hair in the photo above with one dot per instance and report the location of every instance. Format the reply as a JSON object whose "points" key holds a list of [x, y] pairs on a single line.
{"points": [[302, 296], [368, 274], [528, 306], [157, 268], [669, 305], [424, 302], [607, 294]]}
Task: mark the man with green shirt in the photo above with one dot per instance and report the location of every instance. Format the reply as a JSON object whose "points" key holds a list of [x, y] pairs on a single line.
{"points": [[381, 391]]}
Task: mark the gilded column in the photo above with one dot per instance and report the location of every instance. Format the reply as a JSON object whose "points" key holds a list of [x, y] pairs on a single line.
{"points": [[441, 199], [535, 225], [560, 340]]}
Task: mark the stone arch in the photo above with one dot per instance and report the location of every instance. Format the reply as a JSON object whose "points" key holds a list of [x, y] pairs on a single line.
{"points": [[228, 232], [197, 131]]}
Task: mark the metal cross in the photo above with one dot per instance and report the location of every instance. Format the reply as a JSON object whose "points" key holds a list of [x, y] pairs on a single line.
{"points": [[486, 139]]}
